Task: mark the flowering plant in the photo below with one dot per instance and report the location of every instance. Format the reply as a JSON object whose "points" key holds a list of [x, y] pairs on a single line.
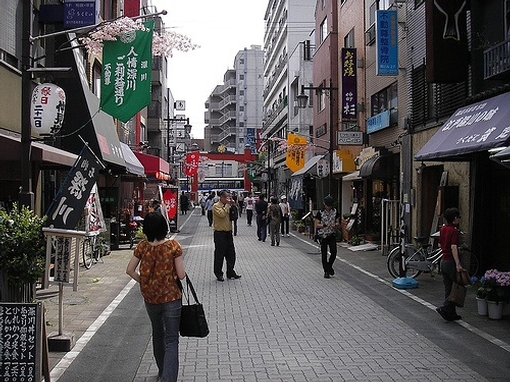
{"points": [[162, 44], [479, 286], [497, 285]]}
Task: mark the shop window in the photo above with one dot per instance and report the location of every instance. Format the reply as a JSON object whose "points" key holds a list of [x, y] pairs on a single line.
{"points": [[386, 99]]}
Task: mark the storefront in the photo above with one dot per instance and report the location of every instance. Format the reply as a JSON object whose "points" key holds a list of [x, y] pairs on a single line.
{"points": [[481, 186], [49, 164]]}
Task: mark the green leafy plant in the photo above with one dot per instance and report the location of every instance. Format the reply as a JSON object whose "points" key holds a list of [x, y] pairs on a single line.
{"points": [[356, 240], [22, 246]]}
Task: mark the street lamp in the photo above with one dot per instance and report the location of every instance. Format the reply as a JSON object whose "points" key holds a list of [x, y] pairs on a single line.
{"points": [[302, 102]]}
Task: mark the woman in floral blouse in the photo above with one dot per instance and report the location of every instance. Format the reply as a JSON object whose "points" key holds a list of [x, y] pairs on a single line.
{"points": [[161, 266]]}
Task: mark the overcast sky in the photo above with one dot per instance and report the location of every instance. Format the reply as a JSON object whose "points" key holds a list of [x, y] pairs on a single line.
{"points": [[221, 28]]}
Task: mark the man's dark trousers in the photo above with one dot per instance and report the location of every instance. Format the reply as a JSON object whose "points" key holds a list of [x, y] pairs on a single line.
{"points": [[224, 248]]}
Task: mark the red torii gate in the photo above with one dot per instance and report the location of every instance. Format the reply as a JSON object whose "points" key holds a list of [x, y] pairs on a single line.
{"points": [[246, 157]]}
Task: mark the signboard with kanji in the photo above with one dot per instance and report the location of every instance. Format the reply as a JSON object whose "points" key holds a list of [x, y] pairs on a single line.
{"points": [[296, 147]]}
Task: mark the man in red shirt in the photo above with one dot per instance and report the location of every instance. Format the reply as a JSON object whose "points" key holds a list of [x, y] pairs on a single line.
{"points": [[450, 261]]}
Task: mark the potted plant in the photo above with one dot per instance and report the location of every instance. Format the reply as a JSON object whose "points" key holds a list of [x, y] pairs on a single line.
{"points": [[22, 254], [497, 284], [478, 285], [300, 226]]}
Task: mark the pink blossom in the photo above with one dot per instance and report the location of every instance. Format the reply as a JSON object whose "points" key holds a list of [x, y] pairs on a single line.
{"points": [[162, 44]]}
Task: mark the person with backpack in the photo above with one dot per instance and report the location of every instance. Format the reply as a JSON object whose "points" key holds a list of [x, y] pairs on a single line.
{"points": [[275, 220], [327, 221]]}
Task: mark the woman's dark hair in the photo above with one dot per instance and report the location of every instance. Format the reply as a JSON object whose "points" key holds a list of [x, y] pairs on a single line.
{"points": [[450, 214], [274, 200], [155, 226]]}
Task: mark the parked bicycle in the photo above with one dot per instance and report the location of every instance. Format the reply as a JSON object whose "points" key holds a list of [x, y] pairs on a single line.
{"points": [[93, 249], [422, 259]]}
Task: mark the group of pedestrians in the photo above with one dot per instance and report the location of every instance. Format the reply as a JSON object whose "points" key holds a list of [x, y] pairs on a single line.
{"points": [[157, 263], [158, 267]]}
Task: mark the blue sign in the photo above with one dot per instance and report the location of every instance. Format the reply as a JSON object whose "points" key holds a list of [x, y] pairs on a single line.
{"points": [[250, 140], [378, 122], [79, 14], [386, 43]]}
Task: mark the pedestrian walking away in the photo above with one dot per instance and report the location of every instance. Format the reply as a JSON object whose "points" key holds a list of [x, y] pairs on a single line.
{"points": [[240, 202], [261, 210], [234, 213], [208, 207], [275, 221], [285, 207], [184, 200], [249, 205], [203, 199], [157, 266], [223, 239], [450, 261], [327, 221]]}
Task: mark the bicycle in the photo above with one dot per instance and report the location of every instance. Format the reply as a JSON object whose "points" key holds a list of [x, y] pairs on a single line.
{"points": [[424, 259], [93, 249]]}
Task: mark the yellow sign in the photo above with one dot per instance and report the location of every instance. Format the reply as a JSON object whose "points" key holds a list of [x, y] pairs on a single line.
{"points": [[295, 159]]}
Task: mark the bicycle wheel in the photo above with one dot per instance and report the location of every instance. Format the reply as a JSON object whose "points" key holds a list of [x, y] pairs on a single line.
{"points": [[87, 253], [393, 262], [96, 250]]}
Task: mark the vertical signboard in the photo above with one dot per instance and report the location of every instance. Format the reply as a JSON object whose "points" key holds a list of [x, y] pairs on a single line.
{"points": [[21, 342], [386, 43], [349, 80]]}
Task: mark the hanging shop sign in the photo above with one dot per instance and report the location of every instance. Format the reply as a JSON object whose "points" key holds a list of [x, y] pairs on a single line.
{"points": [[349, 81], [47, 109], [191, 164], [127, 73], [295, 158], [386, 43]]}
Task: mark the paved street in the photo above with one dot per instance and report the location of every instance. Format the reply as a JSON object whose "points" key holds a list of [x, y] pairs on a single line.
{"points": [[282, 321]]}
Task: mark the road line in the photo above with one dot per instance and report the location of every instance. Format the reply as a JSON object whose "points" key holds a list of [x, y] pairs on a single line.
{"points": [[70, 356], [494, 340]]}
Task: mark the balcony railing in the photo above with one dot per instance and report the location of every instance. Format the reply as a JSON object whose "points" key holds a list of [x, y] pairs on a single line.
{"points": [[496, 59]]}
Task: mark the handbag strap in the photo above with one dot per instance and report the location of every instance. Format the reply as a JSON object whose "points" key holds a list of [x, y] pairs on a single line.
{"points": [[189, 287]]}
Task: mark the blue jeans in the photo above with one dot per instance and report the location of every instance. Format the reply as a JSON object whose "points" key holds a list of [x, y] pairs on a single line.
{"points": [[165, 319]]}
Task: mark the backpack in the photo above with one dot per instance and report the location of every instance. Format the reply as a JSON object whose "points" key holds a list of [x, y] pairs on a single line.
{"points": [[275, 211]]}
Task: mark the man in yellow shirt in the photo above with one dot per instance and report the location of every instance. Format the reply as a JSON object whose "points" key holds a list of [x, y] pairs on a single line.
{"points": [[223, 239]]}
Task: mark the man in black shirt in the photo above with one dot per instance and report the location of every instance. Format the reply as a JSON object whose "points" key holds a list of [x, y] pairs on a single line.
{"points": [[261, 210]]}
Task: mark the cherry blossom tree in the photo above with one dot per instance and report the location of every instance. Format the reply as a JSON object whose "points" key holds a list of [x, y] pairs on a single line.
{"points": [[163, 43]]}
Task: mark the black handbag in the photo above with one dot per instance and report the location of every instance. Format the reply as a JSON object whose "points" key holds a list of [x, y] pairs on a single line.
{"points": [[193, 321]]}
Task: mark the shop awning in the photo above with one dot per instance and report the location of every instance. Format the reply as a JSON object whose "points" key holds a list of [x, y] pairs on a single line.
{"points": [[309, 165], [502, 157], [83, 118], [477, 127], [154, 166], [133, 165], [48, 156], [351, 177], [378, 167]]}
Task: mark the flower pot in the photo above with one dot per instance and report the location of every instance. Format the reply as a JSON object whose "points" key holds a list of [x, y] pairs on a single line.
{"points": [[482, 306], [495, 310]]}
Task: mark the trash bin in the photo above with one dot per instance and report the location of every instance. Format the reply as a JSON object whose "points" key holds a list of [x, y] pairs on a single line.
{"points": [[114, 236]]}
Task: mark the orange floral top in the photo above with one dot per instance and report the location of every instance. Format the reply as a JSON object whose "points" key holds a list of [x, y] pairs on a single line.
{"points": [[158, 278]]}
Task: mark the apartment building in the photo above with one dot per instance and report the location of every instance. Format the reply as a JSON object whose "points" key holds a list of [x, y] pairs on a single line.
{"points": [[234, 108], [289, 26]]}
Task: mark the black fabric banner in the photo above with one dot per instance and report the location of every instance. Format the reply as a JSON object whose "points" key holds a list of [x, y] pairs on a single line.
{"points": [[67, 208]]}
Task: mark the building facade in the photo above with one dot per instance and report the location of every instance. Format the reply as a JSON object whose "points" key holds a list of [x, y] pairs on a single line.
{"points": [[234, 109]]}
